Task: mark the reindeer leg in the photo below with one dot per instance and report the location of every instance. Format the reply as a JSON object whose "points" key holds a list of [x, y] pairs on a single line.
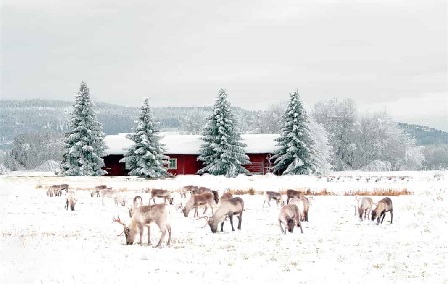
{"points": [[231, 221], [383, 215], [149, 236], [140, 229], [281, 227], [391, 215], [169, 235], [240, 219], [222, 226], [299, 224], [161, 237]]}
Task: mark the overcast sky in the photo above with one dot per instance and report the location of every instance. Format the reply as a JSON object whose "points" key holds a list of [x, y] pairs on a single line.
{"points": [[384, 54]]}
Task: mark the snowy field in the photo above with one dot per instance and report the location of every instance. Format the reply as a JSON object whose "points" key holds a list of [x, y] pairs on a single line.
{"points": [[41, 242]]}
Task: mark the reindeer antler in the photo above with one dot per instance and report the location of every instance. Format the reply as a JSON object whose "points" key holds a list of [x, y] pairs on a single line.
{"points": [[206, 220], [203, 217], [117, 220]]}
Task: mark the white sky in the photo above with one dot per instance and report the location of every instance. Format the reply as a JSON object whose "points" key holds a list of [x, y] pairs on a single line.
{"points": [[385, 54]]}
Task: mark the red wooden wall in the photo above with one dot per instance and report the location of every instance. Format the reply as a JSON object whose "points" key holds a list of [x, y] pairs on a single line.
{"points": [[186, 164]]}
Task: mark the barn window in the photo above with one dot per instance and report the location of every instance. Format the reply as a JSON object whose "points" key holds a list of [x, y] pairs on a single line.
{"points": [[172, 164]]}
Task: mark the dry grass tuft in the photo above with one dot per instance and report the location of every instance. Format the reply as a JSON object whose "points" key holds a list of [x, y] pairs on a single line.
{"points": [[379, 192], [326, 192]]}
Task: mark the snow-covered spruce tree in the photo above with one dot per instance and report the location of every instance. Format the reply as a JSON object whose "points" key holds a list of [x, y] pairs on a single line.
{"points": [[296, 153], [222, 151], [145, 157], [84, 143]]}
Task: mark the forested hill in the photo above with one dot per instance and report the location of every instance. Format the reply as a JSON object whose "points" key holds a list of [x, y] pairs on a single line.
{"points": [[18, 117], [425, 135]]}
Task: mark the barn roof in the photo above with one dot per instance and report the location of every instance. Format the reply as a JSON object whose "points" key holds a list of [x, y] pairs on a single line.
{"points": [[190, 144]]}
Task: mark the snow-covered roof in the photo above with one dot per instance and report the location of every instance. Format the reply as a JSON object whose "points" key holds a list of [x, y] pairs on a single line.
{"points": [[190, 144]]}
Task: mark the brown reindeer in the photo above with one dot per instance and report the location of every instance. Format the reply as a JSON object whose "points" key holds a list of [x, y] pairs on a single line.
{"points": [[161, 193], [56, 189], [198, 200], [277, 196], [383, 206], [225, 196], [215, 196], [97, 189], [303, 204], [364, 206], [290, 193], [227, 208], [289, 217], [143, 217], [200, 189]]}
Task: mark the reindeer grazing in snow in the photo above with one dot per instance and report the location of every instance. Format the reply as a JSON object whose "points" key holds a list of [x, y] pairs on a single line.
{"points": [[161, 193], [111, 193], [56, 189], [289, 217], [198, 200], [97, 189], [383, 206], [70, 200], [277, 196], [290, 193], [364, 207], [303, 204], [227, 208], [143, 217]]}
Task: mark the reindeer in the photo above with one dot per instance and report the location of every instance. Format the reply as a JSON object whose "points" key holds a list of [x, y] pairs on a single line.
{"points": [[227, 208], [183, 191], [50, 191], [119, 200], [290, 193], [383, 206], [200, 189], [303, 204], [70, 200], [225, 196], [138, 201], [161, 193], [277, 196], [110, 193], [189, 188], [62, 187], [144, 216], [197, 200], [56, 189], [215, 196], [289, 217], [364, 207], [97, 189]]}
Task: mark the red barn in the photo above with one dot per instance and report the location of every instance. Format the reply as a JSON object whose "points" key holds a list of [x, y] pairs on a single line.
{"points": [[183, 151]]}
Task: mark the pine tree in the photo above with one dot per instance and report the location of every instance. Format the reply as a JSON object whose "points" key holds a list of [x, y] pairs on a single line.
{"points": [[222, 151], [84, 143], [296, 154], [145, 157]]}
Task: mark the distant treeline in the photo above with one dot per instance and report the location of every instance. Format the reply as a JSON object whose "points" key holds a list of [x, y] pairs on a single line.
{"points": [[27, 116]]}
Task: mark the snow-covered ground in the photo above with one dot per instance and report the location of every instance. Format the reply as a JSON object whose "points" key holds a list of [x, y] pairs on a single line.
{"points": [[41, 242]]}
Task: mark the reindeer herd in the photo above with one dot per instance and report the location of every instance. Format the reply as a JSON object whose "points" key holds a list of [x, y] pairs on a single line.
{"points": [[293, 208]]}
